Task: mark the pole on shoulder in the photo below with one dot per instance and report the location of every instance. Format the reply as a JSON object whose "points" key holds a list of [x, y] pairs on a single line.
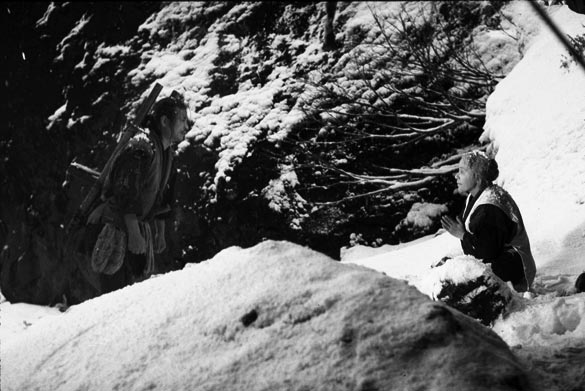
{"points": [[130, 130]]}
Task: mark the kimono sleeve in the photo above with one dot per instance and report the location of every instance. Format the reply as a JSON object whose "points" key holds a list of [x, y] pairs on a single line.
{"points": [[127, 178]]}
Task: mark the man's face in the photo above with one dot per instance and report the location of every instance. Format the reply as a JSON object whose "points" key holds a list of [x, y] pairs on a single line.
{"points": [[179, 126]]}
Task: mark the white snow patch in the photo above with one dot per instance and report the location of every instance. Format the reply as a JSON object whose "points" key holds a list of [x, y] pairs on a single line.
{"points": [[536, 120], [279, 190], [57, 114], [411, 262], [423, 214], [16, 319], [456, 271], [559, 323]]}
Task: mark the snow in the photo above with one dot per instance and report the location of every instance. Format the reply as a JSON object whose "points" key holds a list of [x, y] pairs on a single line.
{"points": [[423, 214], [535, 120], [360, 251], [275, 316], [539, 134], [58, 113], [276, 191], [540, 159], [457, 271], [411, 260], [229, 124], [558, 322], [15, 319]]}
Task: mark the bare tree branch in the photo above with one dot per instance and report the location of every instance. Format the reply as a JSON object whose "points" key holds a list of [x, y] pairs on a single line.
{"points": [[420, 82], [397, 187]]}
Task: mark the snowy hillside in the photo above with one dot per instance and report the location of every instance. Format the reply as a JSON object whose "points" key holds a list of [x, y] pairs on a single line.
{"points": [[535, 121]]}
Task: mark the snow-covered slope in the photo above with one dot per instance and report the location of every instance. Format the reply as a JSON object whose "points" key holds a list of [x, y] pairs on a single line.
{"points": [[536, 119]]}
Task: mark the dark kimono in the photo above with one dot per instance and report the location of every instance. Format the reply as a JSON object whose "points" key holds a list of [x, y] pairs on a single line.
{"points": [[494, 233], [141, 183], [142, 180]]}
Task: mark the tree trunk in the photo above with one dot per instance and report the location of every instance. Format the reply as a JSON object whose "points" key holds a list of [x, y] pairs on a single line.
{"points": [[328, 34]]}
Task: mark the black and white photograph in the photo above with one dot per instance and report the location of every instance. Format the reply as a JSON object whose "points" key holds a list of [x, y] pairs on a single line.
{"points": [[295, 196]]}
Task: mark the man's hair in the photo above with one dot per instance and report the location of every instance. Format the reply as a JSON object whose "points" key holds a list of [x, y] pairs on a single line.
{"points": [[165, 107], [482, 165]]}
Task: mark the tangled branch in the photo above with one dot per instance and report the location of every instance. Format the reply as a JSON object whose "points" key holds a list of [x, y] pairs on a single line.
{"points": [[418, 84]]}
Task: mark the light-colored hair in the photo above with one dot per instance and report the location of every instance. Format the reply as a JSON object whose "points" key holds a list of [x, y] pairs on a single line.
{"points": [[482, 165]]}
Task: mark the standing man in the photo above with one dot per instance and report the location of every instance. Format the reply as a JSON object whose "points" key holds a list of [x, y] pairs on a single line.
{"points": [[138, 198]]}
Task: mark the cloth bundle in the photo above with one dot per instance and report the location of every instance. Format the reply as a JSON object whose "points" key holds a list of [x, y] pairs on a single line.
{"points": [[110, 249]]}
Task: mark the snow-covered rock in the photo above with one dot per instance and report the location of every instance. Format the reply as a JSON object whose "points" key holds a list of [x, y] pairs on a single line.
{"points": [[276, 316], [422, 218], [468, 285]]}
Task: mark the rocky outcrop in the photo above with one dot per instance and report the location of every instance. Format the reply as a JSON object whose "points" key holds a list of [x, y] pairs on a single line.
{"points": [[276, 316]]}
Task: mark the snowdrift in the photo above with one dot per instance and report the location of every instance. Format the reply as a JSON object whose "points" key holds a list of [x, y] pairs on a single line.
{"points": [[536, 120], [277, 316]]}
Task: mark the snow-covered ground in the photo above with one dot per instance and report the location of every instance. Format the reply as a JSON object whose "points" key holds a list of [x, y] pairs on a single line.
{"points": [[535, 119], [277, 316], [536, 122]]}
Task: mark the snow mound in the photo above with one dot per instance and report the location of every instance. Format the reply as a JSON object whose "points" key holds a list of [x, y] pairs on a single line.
{"points": [[458, 270], [275, 316], [468, 285]]}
